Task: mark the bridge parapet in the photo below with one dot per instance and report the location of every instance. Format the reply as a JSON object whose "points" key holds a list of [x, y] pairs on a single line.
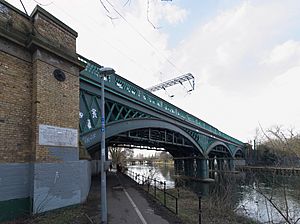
{"points": [[125, 87]]}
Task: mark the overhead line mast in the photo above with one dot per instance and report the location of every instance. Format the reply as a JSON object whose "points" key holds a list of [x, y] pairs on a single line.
{"points": [[179, 80]]}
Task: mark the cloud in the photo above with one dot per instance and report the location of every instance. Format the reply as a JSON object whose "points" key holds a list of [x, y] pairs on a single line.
{"points": [[229, 48], [286, 53], [246, 64], [174, 14]]}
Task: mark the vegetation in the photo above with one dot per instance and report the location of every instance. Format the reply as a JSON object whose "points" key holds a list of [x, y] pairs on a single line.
{"points": [[277, 147], [160, 157], [215, 209], [118, 155], [74, 214]]}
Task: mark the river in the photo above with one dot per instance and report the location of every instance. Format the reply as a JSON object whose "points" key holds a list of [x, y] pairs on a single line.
{"points": [[251, 191]]}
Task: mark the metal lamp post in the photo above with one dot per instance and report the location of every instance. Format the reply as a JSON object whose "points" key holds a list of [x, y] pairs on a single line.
{"points": [[103, 73]]}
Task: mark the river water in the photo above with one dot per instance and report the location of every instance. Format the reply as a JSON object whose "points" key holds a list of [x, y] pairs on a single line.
{"points": [[251, 191]]}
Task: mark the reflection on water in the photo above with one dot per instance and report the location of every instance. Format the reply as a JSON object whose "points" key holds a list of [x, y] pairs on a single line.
{"points": [[256, 206], [250, 191], [164, 172], [258, 189]]}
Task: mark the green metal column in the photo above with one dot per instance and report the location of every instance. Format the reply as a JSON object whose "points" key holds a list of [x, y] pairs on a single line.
{"points": [[210, 164], [221, 162], [178, 163], [189, 167], [231, 164], [219, 165], [202, 168]]}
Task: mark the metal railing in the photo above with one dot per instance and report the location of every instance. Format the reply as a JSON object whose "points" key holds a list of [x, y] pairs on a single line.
{"points": [[155, 188]]}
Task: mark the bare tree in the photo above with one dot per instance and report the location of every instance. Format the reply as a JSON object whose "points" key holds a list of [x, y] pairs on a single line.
{"points": [[281, 146], [278, 147], [118, 155]]}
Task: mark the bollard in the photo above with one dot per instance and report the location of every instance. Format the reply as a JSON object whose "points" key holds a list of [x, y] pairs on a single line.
{"points": [[199, 208], [148, 184], [155, 187], [176, 206], [165, 201], [177, 198]]}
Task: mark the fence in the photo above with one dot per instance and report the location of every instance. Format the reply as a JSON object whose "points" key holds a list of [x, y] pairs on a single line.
{"points": [[157, 189]]}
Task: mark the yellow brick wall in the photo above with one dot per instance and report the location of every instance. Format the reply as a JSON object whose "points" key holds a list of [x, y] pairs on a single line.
{"points": [[56, 103], [15, 108], [29, 93], [46, 29]]}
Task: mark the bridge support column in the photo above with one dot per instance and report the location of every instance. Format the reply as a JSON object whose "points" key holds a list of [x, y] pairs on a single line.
{"points": [[202, 168], [210, 164], [231, 165], [189, 167], [220, 163], [178, 166]]}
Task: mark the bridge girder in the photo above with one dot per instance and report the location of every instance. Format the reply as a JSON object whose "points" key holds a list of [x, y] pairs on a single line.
{"points": [[217, 148], [129, 107], [155, 139], [119, 127]]}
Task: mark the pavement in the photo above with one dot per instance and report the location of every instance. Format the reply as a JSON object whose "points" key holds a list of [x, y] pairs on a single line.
{"points": [[127, 204]]}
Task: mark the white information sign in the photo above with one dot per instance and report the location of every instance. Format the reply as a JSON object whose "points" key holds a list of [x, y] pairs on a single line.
{"points": [[57, 136]]}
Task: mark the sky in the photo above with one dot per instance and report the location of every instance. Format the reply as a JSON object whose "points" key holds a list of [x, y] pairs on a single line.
{"points": [[244, 55]]}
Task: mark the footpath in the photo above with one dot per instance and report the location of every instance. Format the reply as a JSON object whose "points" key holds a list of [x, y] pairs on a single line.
{"points": [[128, 204]]}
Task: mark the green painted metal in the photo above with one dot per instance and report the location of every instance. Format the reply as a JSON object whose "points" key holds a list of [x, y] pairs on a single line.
{"points": [[202, 168], [203, 133], [189, 167], [13, 209], [90, 112]]}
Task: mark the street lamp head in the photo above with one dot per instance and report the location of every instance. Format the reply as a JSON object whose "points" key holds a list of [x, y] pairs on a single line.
{"points": [[107, 71]]}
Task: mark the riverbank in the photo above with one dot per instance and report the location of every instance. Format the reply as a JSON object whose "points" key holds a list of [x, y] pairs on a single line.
{"points": [[212, 210], [244, 193], [272, 169]]}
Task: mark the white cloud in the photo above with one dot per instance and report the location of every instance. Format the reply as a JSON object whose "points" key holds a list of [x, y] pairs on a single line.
{"points": [[231, 45], [174, 14], [237, 58], [284, 53]]}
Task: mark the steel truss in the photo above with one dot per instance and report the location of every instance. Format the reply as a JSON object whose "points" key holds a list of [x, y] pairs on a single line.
{"points": [[149, 138]]}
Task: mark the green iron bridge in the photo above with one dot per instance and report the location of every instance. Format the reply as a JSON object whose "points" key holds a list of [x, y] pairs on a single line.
{"points": [[136, 118]]}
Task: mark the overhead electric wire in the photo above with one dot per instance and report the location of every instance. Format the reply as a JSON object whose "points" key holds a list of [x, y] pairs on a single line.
{"points": [[37, 2], [106, 41], [110, 44], [143, 37], [24, 7]]}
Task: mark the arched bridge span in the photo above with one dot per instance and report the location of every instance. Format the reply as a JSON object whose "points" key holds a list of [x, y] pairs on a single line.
{"points": [[130, 108]]}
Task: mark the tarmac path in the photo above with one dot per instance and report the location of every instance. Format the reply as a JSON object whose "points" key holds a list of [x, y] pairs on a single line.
{"points": [[126, 204]]}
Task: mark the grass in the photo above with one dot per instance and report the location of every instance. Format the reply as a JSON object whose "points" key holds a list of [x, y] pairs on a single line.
{"points": [[67, 215], [72, 214], [213, 211]]}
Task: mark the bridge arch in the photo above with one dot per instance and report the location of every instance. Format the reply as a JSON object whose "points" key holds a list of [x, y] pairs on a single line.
{"points": [[119, 127], [238, 153], [218, 143]]}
